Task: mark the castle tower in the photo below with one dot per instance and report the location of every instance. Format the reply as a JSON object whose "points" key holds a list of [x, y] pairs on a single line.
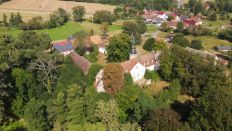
{"points": [[133, 53]]}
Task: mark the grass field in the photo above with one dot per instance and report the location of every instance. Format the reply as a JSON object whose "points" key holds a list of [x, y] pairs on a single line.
{"points": [[209, 42], [64, 31], [31, 8], [156, 87]]}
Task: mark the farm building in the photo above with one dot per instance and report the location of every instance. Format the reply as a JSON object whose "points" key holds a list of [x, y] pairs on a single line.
{"points": [[224, 48], [64, 47]]}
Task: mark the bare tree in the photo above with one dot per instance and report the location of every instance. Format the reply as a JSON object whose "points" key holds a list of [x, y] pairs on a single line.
{"points": [[47, 67]]}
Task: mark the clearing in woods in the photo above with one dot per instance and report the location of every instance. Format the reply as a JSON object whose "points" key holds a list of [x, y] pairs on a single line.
{"points": [[30, 8]]}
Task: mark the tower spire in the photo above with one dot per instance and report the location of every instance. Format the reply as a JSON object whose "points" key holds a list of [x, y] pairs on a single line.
{"points": [[133, 53], [133, 50]]}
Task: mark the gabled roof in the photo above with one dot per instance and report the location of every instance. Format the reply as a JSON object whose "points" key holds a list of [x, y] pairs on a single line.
{"points": [[195, 18], [161, 12], [128, 65], [63, 46], [80, 62], [171, 23], [189, 22], [145, 60]]}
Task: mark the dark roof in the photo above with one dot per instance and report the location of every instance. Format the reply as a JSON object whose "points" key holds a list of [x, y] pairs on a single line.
{"points": [[80, 62], [224, 48], [63, 46]]}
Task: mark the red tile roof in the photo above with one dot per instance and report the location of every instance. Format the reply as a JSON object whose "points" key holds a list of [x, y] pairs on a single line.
{"points": [[145, 60], [171, 23], [80, 62], [195, 18], [128, 65]]}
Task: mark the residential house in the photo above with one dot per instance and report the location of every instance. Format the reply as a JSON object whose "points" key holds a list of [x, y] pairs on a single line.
{"points": [[196, 19], [172, 24], [163, 15], [64, 47], [137, 66], [82, 63], [224, 48]]}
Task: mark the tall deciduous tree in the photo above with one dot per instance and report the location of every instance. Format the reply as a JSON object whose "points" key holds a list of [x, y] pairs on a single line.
{"points": [[107, 112], [213, 109], [113, 78], [180, 27], [149, 44], [103, 16], [78, 13], [119, 48], [35, 115], [162, 119], [104, 28]]}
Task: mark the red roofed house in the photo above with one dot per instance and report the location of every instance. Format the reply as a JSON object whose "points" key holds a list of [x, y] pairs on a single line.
{"points": [[172, 24], [137, 66], [197, 20], [64, 46], [80, 62]]}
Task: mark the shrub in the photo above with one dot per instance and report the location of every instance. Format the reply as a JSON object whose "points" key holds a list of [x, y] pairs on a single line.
{"points": [[180, 40], [151, 75], [36, 23], [149, 44], [196, 44]]}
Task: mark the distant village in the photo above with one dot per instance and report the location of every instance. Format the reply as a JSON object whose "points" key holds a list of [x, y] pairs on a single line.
{"points": [[171, 18]]}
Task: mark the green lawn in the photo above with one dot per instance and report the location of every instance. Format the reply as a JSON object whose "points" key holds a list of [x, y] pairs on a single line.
{"points": [[209, 42], [217, 23], [151, 28], [63, 32]]}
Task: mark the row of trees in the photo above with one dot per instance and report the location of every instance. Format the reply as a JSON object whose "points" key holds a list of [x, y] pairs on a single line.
{"points": [[57, 18], [154, 4], [211, 8], [50, 93]]}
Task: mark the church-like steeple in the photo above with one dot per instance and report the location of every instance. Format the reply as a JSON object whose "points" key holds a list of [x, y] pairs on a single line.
{"points": [[133, 53]]}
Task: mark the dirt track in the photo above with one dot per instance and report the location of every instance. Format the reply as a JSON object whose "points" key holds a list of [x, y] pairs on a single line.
{"points": [[45, 7]]}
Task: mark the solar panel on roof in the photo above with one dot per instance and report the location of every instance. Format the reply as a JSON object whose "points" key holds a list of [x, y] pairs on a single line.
{"points": [[63, 46]]}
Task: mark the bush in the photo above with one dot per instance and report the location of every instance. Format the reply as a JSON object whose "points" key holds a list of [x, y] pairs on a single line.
{"points": [[196, 44], [151, 75], [149, 44], [36, 23], [226, 35], [128, 79], [199, 31], [180, 40]]}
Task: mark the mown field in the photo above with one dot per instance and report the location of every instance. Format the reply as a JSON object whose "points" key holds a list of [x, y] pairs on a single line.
{"points": [[31, 8], [63, 32]]}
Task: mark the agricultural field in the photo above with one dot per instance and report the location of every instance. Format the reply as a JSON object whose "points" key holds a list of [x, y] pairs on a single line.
{"points": [[45, 7], [66, 30]]}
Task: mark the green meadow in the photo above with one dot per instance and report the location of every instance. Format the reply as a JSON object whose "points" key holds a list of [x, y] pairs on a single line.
{"points": [[64, 31]]}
